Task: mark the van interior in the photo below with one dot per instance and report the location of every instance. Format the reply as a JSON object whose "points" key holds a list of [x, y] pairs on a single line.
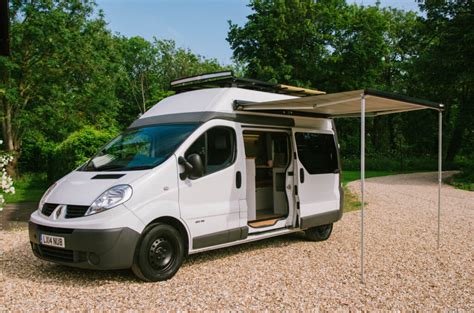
{"points": [[267, 160]]}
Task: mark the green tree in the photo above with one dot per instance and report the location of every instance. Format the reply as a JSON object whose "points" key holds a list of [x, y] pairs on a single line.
{"points": [[147, 68], [67, 71], [287, 41], [371, 49], [138, 86], [75, 150], [177, 62], [443, 68], [61, 74], [140, 71]]}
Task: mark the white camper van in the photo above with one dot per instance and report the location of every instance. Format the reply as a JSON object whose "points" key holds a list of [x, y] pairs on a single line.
{"points": [[194, 173]]}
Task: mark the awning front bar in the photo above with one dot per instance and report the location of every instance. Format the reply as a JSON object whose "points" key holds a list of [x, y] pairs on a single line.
{"points": [[342, 104]]}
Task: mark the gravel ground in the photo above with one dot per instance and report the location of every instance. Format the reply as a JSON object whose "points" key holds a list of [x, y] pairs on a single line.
{"points": [[404, 270]]}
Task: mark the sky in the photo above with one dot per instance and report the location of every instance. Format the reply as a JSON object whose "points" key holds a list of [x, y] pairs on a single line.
{"points": [[199, 25]]}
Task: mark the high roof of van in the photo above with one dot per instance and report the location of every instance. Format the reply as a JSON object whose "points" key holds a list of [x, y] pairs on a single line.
{"points": [[209, 100]]}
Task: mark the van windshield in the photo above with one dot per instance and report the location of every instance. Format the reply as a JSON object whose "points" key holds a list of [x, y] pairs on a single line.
{"points": [[140, 149]]}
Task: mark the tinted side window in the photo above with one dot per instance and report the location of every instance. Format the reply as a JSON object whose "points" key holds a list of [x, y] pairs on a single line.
{"points": [[216, 147], [317, 152]]}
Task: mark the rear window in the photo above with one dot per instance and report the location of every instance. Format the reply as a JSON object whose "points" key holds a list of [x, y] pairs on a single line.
{"points": [[317, 152]]}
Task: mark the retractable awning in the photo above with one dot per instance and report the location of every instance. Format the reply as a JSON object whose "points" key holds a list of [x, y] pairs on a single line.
{"points": [[343, 104], [356, 103]]}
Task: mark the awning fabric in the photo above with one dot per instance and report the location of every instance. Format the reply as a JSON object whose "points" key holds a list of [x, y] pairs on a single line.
{"points": [[356, 103], [343, 104]]}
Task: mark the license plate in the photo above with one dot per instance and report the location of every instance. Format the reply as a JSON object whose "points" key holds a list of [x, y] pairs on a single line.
{"points": [[53, 241]]}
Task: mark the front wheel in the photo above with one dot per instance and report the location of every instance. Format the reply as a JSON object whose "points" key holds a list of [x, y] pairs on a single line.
{"points": [[319, 233], [159, 254]]}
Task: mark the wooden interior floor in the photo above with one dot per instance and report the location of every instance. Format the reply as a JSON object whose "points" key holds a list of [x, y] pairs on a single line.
{"points": [[265, 223], [265, 218]]}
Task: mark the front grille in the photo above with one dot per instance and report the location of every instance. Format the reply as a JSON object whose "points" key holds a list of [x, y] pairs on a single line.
{"points": [[48, 208], [74, 211], [56, 254]]}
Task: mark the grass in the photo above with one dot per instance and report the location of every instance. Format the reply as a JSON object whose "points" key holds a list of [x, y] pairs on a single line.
{"points": [[28, 188], [461, 182], [465, 178], [348, 176], [351, 201]]}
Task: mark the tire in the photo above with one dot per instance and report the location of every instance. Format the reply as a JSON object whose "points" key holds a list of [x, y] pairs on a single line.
{"points": [[159, 254], [319, 233]]}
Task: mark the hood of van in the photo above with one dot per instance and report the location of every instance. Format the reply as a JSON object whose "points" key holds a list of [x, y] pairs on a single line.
{"points": [[82, 188]]}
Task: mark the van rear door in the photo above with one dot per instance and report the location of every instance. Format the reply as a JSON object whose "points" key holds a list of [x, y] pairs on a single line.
{"points": [[317, 177]]}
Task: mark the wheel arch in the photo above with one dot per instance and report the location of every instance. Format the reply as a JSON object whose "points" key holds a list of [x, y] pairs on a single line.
{"points": [[176, 223]]}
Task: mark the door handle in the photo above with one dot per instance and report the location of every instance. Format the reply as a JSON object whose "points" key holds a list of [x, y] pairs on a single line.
{"points": [[301, 175], [238, 179]]}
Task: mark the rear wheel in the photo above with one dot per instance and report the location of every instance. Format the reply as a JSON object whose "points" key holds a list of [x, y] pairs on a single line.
{"points": [[319, 233], [159, 254]]}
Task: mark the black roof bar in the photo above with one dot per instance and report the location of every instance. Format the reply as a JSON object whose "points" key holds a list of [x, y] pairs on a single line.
{"points": [[228, 79]]}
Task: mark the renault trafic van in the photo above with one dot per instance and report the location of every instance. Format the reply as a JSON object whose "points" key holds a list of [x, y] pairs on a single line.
{"points": [[193, 174]]}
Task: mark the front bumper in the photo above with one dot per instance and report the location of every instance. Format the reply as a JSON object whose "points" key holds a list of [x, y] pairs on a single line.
{"points": [[87, 248]]}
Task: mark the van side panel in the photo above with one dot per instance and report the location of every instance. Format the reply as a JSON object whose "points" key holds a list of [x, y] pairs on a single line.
{"points": [[156, 194]]}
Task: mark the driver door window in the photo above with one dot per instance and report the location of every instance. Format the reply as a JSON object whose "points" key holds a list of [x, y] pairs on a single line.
{"points": [[216, 147]]}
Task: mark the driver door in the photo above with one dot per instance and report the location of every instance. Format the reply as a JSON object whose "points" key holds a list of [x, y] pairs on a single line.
{"points": [[210, 204]]}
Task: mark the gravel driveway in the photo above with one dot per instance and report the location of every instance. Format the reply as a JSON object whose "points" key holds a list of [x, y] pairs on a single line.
{"points": [[404, 270]]}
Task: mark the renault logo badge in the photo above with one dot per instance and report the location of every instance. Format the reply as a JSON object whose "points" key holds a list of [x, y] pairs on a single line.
{"points": [[57, 212]]}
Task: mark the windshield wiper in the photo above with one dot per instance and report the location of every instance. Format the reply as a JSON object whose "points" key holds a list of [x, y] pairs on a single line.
{"points": [[110, 168]]}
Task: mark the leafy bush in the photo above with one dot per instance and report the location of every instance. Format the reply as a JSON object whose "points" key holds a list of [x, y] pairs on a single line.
{"points": [[75, 150], [35, 153], [465, 179]]}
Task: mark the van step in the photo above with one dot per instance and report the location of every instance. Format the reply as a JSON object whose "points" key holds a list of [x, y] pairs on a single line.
{"points": [[264, 223]]}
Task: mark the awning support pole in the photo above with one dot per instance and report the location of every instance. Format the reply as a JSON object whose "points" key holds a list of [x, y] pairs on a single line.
{"points": [[362, 184], [440, 168]]}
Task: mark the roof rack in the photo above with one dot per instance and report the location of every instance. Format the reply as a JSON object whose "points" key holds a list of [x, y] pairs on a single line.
{"points": [[227, 79]]}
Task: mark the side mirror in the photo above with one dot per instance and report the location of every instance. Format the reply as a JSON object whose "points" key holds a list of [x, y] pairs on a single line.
{"points": [[193, 166]]}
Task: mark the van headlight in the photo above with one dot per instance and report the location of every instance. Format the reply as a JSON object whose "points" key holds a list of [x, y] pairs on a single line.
{"points": [[46, 194], [110, 198]]}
